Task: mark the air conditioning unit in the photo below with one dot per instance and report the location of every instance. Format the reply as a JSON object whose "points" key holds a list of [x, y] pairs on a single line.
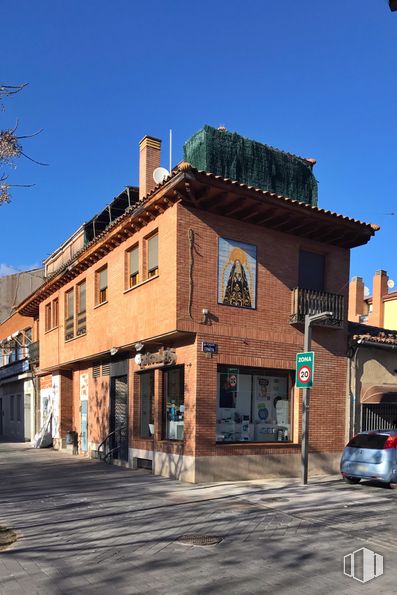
{"points": [[393, 5]]}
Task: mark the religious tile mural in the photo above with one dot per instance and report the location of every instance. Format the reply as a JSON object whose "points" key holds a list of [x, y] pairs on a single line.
{"points": [[236, 274]]}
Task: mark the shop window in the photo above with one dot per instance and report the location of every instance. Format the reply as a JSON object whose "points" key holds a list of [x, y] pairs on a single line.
{"points": [[253, 405], [133, 266], [47, 317], [81, 309], [19, 407], [174, 403], [69, 314], [12, 405], [102, 286], [311, 270], [55, 313], [147, 403], [153, 257]]}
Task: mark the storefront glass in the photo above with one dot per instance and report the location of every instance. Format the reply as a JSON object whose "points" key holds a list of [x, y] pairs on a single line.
{"points": [[147, 400], [253, 405], [174, 403]]}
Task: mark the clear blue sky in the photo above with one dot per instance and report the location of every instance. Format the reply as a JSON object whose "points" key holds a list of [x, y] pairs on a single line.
{"points": [[311, 77]]}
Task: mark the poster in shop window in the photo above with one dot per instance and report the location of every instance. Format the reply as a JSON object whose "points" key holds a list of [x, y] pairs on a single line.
{"points": [[236, 274], [228, 388], [271, 400]]}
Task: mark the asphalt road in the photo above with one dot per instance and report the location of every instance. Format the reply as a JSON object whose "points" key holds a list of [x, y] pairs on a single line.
{"points": [[90, 528]]}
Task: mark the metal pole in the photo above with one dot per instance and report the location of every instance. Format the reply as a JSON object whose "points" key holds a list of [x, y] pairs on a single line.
{"points": [[305, 408]]}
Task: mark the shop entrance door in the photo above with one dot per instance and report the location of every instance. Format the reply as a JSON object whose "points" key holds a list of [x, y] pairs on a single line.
{"points": [[118, 421]]}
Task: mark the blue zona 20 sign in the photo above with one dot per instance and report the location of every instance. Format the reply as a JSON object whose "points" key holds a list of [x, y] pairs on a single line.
{"points": [[304, 369]]}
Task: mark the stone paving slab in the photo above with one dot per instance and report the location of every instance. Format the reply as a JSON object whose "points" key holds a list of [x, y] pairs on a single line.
{"points": [[85, 527]]}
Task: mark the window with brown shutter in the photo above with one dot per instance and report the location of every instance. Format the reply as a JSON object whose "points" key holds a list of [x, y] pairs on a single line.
{"points": [[47, 318], [133, 266], [81, 309], [153, 257], [69, 314], [102, 285]]}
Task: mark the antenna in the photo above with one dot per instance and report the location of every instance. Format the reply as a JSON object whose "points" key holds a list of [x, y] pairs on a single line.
{"points": [[390, 284], [159, 174]]}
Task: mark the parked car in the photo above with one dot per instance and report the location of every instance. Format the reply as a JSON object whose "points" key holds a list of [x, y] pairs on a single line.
{"points": [[371, 455]]}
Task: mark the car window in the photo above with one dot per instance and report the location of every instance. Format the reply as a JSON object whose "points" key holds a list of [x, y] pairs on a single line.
{"points": [[375, 441]]}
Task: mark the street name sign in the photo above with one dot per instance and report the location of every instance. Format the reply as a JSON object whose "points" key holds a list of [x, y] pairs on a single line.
{"points": [[304, 369]]}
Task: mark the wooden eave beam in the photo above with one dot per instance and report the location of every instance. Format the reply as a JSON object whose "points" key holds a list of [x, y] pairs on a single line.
{"points": [[291, 207]]}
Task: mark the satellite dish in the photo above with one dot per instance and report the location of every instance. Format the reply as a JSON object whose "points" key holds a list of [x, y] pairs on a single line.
{"points": [[159, 174], [390, 284], [366, 292]]}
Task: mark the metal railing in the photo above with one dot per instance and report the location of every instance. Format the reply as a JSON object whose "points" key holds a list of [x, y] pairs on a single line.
{"points": [[110, 445], [34, 351], [311, 301]]}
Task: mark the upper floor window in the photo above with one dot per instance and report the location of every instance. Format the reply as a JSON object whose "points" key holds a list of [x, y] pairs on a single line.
{"points": [[81, 308], [47, 318], [153, 257], [311, 270], [51, 318], [55, 313], [69, 314], [102, 285], [133, 266]]}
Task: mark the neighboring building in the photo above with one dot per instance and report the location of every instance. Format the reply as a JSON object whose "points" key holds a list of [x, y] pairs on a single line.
{"points": [[17, 382], [378, 309], [372, 378], [15, 288], [170, 330]]}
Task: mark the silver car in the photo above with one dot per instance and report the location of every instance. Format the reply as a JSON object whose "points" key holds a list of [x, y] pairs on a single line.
{"points": [[371, 455]]}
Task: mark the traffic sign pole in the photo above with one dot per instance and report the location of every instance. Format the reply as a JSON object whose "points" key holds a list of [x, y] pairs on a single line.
{"points": [[306, 408]]}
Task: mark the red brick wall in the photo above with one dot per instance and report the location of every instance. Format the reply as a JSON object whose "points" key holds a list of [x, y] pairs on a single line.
{"points": [[261, 337], [128, 315], [15, 323]]}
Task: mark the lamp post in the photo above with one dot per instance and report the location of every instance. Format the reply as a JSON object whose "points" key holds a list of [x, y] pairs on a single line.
{"points": [[306, 393]]}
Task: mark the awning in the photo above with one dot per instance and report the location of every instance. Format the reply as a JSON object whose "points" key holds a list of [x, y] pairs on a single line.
{"points": [[379, 393]]}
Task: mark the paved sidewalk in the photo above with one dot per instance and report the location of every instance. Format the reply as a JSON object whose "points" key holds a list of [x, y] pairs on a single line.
{"points": [[85, 527]]}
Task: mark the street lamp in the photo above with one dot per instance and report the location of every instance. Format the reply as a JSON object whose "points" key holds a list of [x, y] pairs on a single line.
{"points": [[309, 319]]}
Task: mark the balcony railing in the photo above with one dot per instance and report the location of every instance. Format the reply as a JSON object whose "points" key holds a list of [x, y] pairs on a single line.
{"points": [[34, 352], [310, 301]]}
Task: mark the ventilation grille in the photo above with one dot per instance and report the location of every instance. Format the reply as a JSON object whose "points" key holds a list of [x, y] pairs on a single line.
{"points": [[106, 369], [96, 371]]}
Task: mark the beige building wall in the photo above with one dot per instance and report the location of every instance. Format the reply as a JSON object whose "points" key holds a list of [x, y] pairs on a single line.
{"points": [[390, 315]]}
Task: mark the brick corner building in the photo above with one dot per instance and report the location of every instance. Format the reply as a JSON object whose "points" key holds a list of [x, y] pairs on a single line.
{"points": [[170, 322]]}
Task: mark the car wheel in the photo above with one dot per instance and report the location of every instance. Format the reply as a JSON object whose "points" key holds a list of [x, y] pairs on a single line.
{"points": [[351, 480], [393, 486]]}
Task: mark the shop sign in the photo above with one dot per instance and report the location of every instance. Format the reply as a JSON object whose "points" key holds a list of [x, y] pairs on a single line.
{"points": [[304, 369], [209, 347], [165, 357]]}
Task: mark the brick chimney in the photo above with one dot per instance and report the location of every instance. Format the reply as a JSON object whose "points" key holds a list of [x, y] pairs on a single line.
{"points": [[149, 159], [356, 299], [378, 292]]}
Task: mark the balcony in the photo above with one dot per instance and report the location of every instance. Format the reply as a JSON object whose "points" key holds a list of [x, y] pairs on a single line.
{"points": [[310, 301], [34, 352]]}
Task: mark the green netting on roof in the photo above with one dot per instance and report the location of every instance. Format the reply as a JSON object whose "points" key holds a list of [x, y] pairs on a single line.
{"points": [[232, 156]]}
